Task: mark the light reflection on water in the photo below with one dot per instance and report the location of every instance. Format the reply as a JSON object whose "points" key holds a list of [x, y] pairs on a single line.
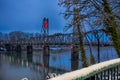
{"points": [[35, 66]]}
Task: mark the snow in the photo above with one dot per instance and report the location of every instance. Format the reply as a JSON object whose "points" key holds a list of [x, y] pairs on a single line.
{"points": [[85, 71]]}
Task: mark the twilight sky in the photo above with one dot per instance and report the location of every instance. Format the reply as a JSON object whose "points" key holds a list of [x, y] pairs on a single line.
{"points": [[27, 15]]}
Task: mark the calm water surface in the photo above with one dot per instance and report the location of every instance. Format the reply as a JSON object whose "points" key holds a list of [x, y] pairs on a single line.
{"points": [[35, 66]]}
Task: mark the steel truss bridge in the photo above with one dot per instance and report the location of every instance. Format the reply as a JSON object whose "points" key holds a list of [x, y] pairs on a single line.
{"points": [[90, 37]]}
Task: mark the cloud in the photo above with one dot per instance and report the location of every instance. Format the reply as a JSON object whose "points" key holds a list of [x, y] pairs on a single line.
{"points": [[27, 15]]}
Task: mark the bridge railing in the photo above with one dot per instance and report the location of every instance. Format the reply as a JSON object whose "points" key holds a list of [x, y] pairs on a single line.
{"points": [[108, 70]]}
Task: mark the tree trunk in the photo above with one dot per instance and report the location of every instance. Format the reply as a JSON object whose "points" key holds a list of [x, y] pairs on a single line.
{"points": [[81, 46], [112, 27], [115, 37], [92, 60]]}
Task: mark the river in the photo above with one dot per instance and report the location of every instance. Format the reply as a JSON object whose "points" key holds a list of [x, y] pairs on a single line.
{"points": [[36, 66]]}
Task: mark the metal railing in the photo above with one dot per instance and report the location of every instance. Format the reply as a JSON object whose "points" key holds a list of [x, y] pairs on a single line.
{"points": [[108, 70]]}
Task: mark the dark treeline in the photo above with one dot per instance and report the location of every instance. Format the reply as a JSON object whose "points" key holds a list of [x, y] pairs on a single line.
{"points": [[17, 35]]}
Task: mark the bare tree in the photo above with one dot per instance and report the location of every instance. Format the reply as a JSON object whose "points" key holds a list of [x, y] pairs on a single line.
{"points": [[97, 14], [105, 15], [73, 13]]}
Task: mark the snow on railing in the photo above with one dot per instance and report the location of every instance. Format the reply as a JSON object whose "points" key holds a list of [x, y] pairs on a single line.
{"points": [[87, 72]]}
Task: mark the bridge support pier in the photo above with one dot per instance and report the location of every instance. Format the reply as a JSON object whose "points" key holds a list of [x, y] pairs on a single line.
{"points": [[29, 56], [29, 53], [46, 50], [74, 65], [29, 49], [18, 48], [8, 47], [74, 52]]}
